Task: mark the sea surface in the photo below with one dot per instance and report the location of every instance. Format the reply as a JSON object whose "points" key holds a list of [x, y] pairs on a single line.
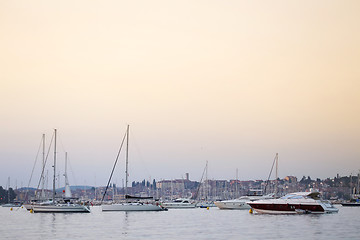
{"points": [[195, 223]]}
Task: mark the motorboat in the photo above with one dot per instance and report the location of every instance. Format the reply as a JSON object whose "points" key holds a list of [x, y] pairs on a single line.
{"points": [[179, 203], [350, 204], [241, 202], [293, 203], [205, 204], [354, 202], [253, 195]]}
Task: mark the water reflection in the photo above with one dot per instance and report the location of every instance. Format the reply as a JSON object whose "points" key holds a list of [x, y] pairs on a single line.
{"points": [[181, 224], [125, 223]]}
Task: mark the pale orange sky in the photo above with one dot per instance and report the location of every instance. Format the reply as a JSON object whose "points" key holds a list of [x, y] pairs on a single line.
{"points": [[229, 82]]}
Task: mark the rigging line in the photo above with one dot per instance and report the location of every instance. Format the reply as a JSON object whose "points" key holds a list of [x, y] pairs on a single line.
{"points": [[197, 192], [32, 172], [267, 182], [72, 173], [61, 142], [46, 158], [117, 158], [139, 155]]}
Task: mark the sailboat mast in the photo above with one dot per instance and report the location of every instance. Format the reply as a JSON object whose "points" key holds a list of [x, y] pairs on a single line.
{"points": [[236, 185], [276, 171], [54, 165], [43, 166], [357, 190], [66, 182], [207, 183], [127, 159]]}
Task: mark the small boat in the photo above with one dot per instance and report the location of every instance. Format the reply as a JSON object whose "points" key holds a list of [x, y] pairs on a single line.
{"points": [[241, 202], [12, 204], [205, 204], [179, 203], [294, 203], [351, 203]]}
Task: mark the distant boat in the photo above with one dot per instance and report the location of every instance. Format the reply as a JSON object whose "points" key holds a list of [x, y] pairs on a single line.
{"points": [[294, 203], [355, 196], [64, 205], [205, 204], [241, 202], [350, 204], [12, 204], [138, 205], [204, 201], [179, 203]]}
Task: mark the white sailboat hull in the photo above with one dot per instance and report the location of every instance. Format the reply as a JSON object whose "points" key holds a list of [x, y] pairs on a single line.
{"points": [[178, 205], [131, 207], [60, 208], [232, 205]]}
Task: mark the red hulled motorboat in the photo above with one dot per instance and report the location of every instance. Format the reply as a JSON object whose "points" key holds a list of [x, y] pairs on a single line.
{"points": [[299, 202]]}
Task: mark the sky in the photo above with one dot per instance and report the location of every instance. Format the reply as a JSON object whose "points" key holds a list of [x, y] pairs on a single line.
{"points": [[228, 82]]}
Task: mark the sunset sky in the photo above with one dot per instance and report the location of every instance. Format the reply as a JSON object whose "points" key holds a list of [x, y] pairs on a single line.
{"points": [[228, 82]]}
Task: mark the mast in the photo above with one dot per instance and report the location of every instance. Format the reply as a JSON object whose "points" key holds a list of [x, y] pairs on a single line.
{"points": [[207, 183], [357, 190], [276, 173], [236, 185], [43, 167], [54, 166], [8, 189], [127, 159]]}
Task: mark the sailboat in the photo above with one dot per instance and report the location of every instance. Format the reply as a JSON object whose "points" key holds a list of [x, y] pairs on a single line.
{"points": [[242, 202], [355, 196], [63, 205], [205, 202], [129, 206]]}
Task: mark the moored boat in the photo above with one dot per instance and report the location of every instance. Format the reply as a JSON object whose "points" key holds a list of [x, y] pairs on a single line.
{"points": [[59, 205], [12, 204], [179, 203], [128, 205], [293, 203], [137, 206], [241, 202], [60, 208], [351, 203]]}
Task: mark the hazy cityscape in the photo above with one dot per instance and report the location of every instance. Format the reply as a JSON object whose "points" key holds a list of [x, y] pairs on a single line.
{"points": [[337, 188]]}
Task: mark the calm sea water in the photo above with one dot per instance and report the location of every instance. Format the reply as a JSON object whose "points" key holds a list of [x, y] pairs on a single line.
{"points": [[178, 224]]}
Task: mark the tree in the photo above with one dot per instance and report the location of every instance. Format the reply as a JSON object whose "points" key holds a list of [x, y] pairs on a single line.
{"points": [[7, 196]]}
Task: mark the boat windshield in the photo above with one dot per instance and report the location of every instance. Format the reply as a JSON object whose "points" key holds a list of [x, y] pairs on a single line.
{"points": [[292, 196]]}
